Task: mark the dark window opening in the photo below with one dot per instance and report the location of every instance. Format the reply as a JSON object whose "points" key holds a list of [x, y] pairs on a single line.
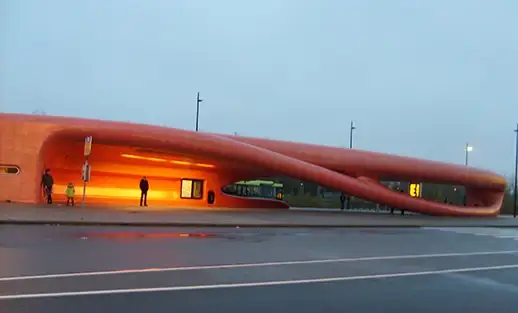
{"points": [[9, 169]]}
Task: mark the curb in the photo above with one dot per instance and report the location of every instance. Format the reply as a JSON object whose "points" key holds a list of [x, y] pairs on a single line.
{"points": [[248, 225]]}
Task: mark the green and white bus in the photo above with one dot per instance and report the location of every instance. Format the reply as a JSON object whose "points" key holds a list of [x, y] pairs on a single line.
{"points": [[256, 189]]}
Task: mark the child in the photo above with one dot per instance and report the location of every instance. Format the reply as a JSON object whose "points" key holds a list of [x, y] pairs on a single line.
{"points": [[70, 192]]}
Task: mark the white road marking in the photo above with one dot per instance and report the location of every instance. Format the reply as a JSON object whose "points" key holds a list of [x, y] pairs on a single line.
{"points": [[244, 265], [257, 284]]}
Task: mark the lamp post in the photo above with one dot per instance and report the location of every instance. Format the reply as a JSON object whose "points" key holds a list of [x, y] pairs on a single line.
{"points": [[351, 135], [516, 175], [198, 100], [351, 130], [467, 150]]}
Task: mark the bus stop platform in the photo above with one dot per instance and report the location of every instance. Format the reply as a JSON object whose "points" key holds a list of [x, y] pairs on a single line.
{"points": [[226, 217]]}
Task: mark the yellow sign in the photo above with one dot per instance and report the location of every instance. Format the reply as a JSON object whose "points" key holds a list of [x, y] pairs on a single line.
{"points": [[415, 190]]}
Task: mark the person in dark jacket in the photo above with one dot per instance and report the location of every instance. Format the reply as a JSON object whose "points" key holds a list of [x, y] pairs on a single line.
{"points": [[47, 182], [342, 201], [144, 187]]}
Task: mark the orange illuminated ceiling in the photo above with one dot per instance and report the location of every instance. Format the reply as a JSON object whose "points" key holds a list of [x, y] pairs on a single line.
{"points": [[162, 160]]}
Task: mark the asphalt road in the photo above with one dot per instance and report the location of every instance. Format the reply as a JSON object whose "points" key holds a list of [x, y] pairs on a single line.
{"points": [[97, 269]]}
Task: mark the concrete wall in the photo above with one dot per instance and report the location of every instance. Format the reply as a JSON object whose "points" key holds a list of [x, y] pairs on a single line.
{"points": [[20, 144]]}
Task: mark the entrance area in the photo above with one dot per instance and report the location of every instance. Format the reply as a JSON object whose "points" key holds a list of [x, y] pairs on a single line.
{"points": [[174, 179]]}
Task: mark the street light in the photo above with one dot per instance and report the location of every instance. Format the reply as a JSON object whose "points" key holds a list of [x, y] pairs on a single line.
{"points": [[351, 135], [198, 100], [351, 130], [516, 174], [467, 150]]}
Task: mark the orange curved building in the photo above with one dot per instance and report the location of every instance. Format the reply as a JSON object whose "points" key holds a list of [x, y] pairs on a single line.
{"points": [[124, 152]]}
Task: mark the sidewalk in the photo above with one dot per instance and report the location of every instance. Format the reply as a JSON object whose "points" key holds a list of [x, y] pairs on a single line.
{"points": [[221, 217]]}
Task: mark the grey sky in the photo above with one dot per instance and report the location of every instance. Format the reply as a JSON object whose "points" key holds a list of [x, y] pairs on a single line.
{"points": [[420, 78]]}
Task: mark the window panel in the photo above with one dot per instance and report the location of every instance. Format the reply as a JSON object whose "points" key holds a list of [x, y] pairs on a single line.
{"points": [[197, 189], [186, 191], [191, 189]]}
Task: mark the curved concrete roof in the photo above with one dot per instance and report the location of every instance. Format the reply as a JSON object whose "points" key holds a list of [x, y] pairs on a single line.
{"points": [[355, 172]]}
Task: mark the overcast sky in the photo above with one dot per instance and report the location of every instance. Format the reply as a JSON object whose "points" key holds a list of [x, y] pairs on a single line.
{"points": [[419, 78]]}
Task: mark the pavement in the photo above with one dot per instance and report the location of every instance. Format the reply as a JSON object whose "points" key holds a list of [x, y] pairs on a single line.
{"points": [[225, 217], [85, 269]]}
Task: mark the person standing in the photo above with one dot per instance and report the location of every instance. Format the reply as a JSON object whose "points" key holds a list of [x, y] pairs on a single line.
{"points": [[70, 192], [47, 182], [144, 187]]}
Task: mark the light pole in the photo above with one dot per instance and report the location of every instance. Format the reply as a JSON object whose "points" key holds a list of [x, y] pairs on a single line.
{"points": [[351, 135], [516, 175], [351, 130], [198, 100], [467, 150]]}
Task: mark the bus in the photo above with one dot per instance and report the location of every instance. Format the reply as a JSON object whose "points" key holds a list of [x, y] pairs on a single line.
{"points": [[256, 189]]}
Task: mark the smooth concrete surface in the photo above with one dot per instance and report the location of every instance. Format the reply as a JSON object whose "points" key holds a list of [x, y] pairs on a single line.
{"points": [[211, 217], [31, 141], [136, 269]]}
